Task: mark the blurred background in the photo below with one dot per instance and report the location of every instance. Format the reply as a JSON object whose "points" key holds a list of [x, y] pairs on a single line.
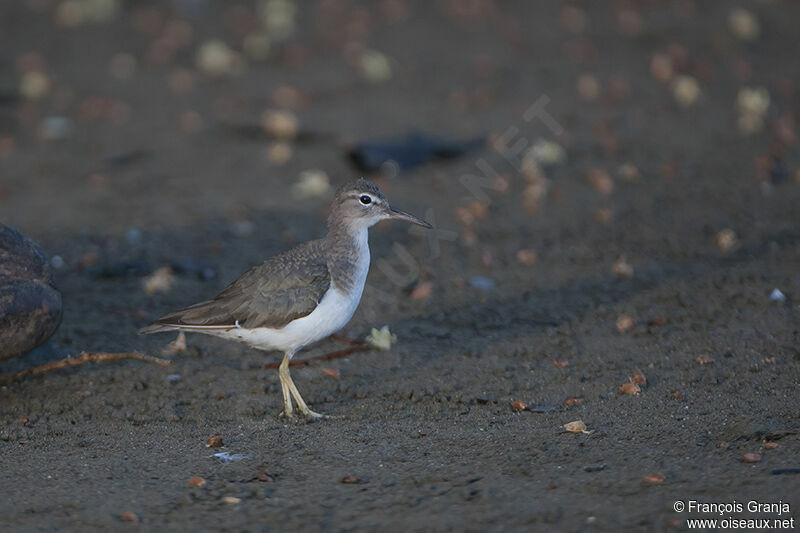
{"points": [[614, 186]]}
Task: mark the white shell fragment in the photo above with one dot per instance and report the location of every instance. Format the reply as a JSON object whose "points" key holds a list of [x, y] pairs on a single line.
{"points": [[381, 339], [227, 457], [777, 296]]}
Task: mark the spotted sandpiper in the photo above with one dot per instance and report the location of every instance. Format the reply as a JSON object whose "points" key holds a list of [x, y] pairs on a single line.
{"points": [[300, 296]]}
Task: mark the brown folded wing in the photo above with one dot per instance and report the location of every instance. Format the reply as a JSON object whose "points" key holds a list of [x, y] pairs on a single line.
{"points": [[283, 288]]}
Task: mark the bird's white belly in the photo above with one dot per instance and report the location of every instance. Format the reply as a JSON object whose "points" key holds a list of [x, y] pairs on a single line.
{"points": [[333, 312]]}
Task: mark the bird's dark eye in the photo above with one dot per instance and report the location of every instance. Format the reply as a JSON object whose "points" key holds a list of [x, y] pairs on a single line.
{"points": [[365, 199]]}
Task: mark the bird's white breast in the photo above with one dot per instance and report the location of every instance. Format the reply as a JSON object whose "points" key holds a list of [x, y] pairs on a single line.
{"points": [[333, 312]]}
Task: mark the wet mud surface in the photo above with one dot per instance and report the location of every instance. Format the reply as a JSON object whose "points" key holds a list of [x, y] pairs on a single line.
{"points": [[653, 245]]}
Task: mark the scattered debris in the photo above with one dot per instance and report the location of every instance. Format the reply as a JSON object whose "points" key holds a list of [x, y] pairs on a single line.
{"points": [[629, 388], [215, 58], [481, 283], [572, 400], [751, 457], [639, 378], [576, 426], [312, 183], [332, 372], [704, 360], [744, 25], [624, 323], [622, 268], [685, 90], [752, 104], [629, 172], [161, 280], [56, 128], [726, 240], [87, 357], [588, 87], [381, 339], [559, 364], [517, 405], [197, 481], [176, 346], [227, 457], [654, 478], [215, 442], [280, 124], [777, 296], [546, 152], [278, 154], [601, 181], [375, 66], [34, 85], [527, 257], [422, 291]]}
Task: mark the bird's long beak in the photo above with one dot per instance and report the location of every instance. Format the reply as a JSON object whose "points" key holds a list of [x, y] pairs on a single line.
{"points": [[401, 215]]}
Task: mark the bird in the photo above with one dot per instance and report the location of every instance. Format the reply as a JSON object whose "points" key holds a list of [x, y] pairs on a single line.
{"points": [[301, 295]]}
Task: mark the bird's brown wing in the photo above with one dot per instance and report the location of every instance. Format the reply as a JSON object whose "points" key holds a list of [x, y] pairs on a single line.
{"points": [[283, 288]]}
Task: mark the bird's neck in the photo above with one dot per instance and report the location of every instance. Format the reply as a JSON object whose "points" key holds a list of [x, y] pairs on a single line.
{"points": [[348, 256]]}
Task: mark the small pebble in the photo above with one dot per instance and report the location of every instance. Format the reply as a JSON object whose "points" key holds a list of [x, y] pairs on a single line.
{"points": [[655, 478], [575, 427], [375, 66], [230, 500], [481, 283], [629, 388], [686, 90], [624, 323], [129, 516], [726, 240], [622, 268], [744, 25], [517, 405], [312, 183], [777, 296], [751, 457], [34, 85], [56, 128], [197, 481]]}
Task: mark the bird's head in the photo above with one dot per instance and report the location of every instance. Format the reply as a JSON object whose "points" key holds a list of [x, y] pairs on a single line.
{"points": [[361, 204]]}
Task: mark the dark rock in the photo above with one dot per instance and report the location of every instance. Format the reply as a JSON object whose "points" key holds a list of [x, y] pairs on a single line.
{"points": [[30, 305]]}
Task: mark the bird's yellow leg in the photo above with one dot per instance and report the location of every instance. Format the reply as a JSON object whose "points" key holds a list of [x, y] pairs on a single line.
{"points": [[301, 404], [283, 373]]}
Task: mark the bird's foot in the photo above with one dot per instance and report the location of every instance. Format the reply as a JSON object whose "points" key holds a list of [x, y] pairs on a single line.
{"points": [[312, 415], [301, 415]]}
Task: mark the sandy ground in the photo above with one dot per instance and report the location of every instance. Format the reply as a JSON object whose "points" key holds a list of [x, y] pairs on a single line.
{"points": [[671, 215]]}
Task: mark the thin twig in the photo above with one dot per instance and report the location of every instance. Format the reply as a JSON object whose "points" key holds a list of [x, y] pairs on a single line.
{"points": [[325, 357], [348, 340], [87, 357]]}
